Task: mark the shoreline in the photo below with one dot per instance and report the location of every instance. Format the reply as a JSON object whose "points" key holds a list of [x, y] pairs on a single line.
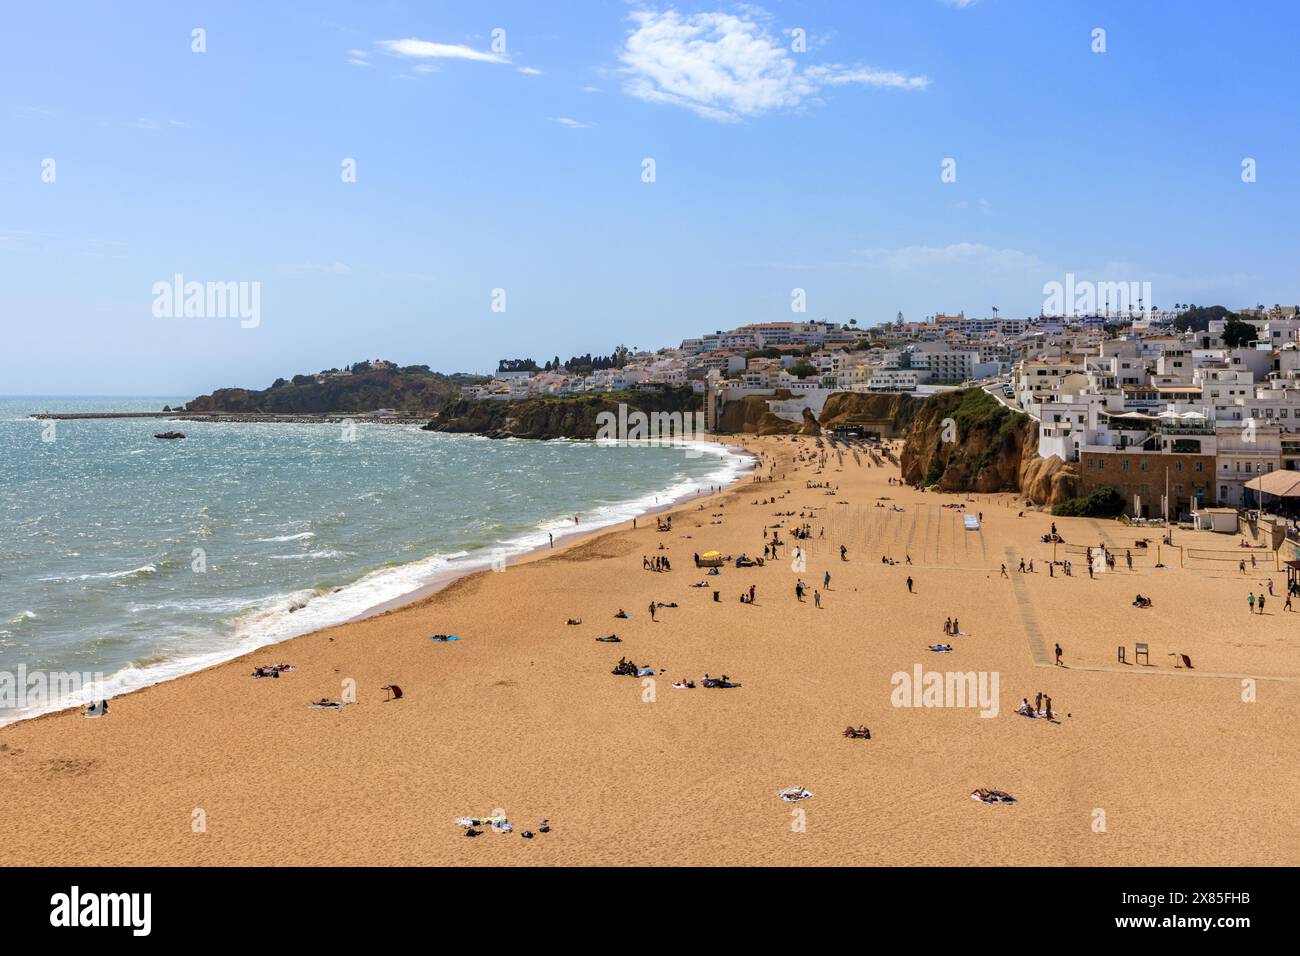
{"points": [[540, 552], [473, 563]]}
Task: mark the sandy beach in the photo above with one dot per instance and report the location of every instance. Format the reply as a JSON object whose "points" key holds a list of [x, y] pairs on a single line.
{"points": [[1143, 764]]}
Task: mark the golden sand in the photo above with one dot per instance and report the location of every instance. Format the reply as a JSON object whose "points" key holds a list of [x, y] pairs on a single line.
{"points": [[1145, 764]]}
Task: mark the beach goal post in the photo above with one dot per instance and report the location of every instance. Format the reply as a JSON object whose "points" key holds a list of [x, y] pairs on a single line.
{"points": [[1141, 653], [1123, 648]]}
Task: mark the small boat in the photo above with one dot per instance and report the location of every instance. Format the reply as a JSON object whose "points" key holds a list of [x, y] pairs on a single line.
{"points": [[169, 436]]}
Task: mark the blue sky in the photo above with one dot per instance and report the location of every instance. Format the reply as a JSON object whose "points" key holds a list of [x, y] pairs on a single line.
{"points": [[521, 169]]}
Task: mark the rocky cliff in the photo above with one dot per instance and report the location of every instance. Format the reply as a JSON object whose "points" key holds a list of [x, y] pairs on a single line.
{"points": [[968, 441], [576, 417], [411, 389], [750, 415], [889, 414]]}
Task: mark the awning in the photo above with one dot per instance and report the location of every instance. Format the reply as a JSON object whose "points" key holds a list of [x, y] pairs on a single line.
{"points": [[1279, 484]]}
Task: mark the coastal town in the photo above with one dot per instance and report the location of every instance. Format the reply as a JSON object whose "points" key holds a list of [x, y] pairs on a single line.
{"points": [[1126, 398]]}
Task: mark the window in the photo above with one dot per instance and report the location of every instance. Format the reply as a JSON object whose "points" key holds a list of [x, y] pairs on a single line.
{"points": [[1198, 466]]}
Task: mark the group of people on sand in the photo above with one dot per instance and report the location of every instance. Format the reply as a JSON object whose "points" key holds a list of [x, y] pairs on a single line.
{"points": [[951, 628], [1042, 707], [686, 683], [659, 562]]}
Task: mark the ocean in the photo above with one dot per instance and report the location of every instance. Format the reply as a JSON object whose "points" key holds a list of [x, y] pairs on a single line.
{"points": [[140, 560]]}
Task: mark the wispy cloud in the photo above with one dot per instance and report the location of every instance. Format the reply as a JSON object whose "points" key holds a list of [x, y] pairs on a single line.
{"points": [[570, 123], [316, 268], [529, 71], [17, 240], [959, 4], [359, 57], [427, 49], [728, 67]]}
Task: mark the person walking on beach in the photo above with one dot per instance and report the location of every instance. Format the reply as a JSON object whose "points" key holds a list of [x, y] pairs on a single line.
{"points": [[1004, 571], [652, 610], [1261, 602], [1128, 558], [1058, 654], [909, 584], [751, 594], [1251, 601], [844, 553], [1038, 703], [826, 581], [798, 589], [817, 599], [1287, 605], [552, 537]]}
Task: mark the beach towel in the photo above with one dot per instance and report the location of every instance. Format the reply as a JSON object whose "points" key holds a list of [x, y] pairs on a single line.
{"points": [[971, 522], [939, 650], [444, 638], [645, 672], [332, 705], [794, 794]]}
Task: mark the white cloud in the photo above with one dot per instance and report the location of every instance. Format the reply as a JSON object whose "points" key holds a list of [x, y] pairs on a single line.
{"points": [[571, 123], [528, 71], [729, 66], [426, 49], [315, 268], [358, 57], [958, 255], [959, 4]]}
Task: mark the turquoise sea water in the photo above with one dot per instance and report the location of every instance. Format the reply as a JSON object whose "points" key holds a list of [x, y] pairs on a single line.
{"points": [[144, 559]]}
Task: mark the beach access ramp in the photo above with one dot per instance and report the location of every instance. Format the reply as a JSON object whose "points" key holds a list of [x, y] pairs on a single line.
{"points": [[971, 522]]}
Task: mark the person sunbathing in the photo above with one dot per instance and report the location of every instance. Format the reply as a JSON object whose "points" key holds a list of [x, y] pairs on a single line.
{"points": [[611, 639], [722, 681], [574, 620], [940, 648], [857, 733], [622, 613]]}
